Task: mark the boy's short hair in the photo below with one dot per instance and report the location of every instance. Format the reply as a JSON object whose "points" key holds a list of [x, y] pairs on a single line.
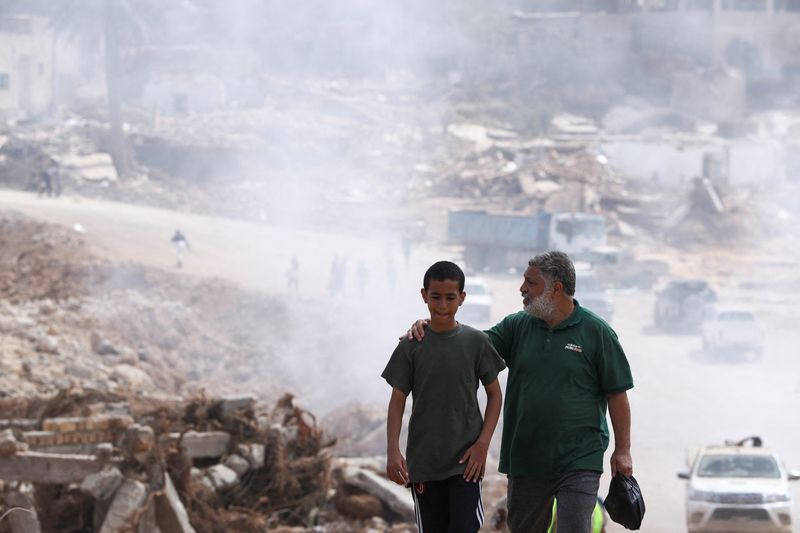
{"points": [[441, 271]]}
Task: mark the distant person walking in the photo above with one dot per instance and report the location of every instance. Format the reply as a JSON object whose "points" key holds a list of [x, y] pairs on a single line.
{"points": [[362, 278], [50, 181], [338, 274], [292, 275], [181, 245]]}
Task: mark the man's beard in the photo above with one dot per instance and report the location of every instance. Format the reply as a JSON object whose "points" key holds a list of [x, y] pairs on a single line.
{"points": [[542, 306]]}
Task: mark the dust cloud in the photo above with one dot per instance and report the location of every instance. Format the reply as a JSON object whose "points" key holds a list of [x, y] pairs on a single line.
{"points": [[311, 151]]}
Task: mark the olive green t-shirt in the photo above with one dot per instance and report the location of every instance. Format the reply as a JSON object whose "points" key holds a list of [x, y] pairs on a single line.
{"points": [[442, 374], [554, 417]]}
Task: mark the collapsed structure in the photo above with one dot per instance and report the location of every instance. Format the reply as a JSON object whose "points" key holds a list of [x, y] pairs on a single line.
{"points": [[85, 461]]}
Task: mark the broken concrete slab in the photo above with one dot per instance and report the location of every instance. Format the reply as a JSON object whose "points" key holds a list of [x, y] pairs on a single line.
{"points": [[222, 477], [138, 442], [39, 467], [24, 519], [254, 453], [200, 445], [129, 499], [92, 167], [395, 497], [102, 485], [50, 439], [238, 464], [8, 443], [99, 422], [171, 515], [229, 404], [19, 423]]}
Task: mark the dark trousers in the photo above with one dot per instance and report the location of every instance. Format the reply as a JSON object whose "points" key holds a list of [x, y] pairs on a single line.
{"points": [[451, 505], [530, 502]]}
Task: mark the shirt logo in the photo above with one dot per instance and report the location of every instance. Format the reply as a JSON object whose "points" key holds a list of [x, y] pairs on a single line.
{"points": [[574, 348]]}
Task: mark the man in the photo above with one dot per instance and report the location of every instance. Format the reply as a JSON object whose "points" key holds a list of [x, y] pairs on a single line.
{"points": [[566, 367]]}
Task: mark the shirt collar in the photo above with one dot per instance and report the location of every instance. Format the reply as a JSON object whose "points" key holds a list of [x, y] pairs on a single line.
{"points": [[573, 318]]}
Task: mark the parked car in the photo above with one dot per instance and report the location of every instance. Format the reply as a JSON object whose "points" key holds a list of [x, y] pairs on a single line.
{"points": [[738, 487], [477, 307], [592, 293], [683, 305], [733, 333]]}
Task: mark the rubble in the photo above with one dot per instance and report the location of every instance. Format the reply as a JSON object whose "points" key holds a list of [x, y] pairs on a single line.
{"points": [[184, 466]]}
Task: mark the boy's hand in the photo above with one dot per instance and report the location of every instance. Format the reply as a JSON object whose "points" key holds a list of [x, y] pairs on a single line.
{"points": [[475, 457], [396, 468], [417, 329]]}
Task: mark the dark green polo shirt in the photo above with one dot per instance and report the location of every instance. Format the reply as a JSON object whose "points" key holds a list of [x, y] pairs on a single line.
{"points": [[554, 418]]}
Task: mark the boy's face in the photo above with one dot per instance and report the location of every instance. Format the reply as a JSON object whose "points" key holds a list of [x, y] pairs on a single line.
{"points": [[443, 299]]}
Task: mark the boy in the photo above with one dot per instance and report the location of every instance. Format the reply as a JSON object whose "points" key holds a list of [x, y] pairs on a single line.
{"points": [[447, 439]]}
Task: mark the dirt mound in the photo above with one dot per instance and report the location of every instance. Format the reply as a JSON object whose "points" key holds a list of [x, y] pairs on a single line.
{"points": [[68, 318]]}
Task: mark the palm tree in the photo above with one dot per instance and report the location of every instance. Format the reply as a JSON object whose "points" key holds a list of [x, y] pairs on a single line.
{"points": [[117, 28]]}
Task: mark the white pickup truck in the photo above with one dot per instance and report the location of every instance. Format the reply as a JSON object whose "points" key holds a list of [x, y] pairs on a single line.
{"points": [[733, 333]]}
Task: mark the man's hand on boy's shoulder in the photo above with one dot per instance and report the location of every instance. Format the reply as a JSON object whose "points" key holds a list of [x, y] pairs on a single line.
{"points": [[475, 457], [417, 329], [396, 468]]}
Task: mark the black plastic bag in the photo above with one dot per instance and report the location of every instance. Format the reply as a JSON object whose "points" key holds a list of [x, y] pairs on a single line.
{"points": [[624, 503]]}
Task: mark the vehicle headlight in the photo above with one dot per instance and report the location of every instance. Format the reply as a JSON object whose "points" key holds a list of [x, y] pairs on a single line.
{"points": [[779, 497], [700, 495]]}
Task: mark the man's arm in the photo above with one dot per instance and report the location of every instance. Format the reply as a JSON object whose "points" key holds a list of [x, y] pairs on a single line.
{"points": [[620, 411], [475, 456], [417, 329], [396, 468]]}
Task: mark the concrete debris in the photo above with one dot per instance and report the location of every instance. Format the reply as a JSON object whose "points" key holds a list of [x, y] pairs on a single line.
{"points": [[92, 167], [230, 404], [101, 346], [171, 514], [8, 443], [102, 485], [203, 445], [166, 465], [238, 464], [222, 477], [128, 500], [395, 497], [25, 518]]}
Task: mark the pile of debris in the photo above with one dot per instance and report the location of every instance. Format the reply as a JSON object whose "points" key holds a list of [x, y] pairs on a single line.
{"points": [[68, 318], [85, 461]]}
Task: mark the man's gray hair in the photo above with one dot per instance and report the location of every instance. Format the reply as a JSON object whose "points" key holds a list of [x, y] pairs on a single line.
{"points": [[556, 266]]}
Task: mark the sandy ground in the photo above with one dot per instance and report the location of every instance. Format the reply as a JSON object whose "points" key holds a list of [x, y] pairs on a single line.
{"points": [[681, 400]]}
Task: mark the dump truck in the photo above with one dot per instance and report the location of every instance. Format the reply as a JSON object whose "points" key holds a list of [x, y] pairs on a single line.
{"points": [[499, 241]]}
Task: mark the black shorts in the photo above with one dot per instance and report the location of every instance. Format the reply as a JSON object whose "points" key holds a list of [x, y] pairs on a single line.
{"points": [[452, 505]]}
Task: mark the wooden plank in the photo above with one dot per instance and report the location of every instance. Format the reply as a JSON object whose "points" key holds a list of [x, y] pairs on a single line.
{"points": [[37, 467], [171, 515]]}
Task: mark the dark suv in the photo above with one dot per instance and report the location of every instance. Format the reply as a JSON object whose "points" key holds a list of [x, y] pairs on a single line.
{"points": [[683, 305]]}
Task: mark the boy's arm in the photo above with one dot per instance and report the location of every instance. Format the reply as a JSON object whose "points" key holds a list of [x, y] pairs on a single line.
{"points": [[475, 456], [396, 468]]}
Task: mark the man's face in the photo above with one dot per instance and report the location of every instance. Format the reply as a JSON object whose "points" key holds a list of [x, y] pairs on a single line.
{"points": [[537, 294], [443, 299]]}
